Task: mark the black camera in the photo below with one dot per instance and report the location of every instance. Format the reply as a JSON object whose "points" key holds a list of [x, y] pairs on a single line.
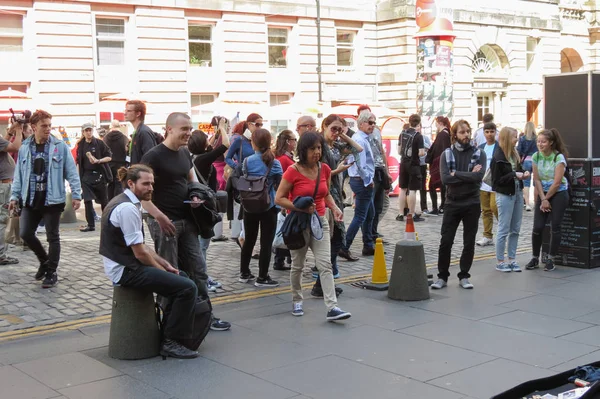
{"points": [[216, 119], [20, 117]]}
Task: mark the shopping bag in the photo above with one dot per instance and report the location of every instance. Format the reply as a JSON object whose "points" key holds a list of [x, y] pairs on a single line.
{"points": [[278, 240]]}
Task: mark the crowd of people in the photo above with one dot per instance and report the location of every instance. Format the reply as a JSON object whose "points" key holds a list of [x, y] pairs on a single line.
{"points": [[187, 183]]}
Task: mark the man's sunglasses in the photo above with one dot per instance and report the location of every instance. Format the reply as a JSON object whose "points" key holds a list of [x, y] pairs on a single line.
{"points": [[307, 125], [257, 124], [372, 123], [337, 129]]}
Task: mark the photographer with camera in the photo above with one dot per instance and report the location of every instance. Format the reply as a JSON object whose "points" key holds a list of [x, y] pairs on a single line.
{"points": [[8, 145], [39, 183]]}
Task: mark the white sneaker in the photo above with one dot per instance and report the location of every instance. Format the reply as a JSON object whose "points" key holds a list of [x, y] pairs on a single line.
{"points": [[527, 208], [297, 311], [484, 242], [466, 284], [438, 285]]}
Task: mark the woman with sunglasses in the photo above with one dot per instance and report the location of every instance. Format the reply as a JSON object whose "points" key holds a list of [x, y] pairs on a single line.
{"points": [[336, 146], [241, 148], [284, 153]]}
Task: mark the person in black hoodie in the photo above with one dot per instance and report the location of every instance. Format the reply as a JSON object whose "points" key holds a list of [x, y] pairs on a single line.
{"points": [[507, 182], [117, 142], [143, 138], [462, 167]]}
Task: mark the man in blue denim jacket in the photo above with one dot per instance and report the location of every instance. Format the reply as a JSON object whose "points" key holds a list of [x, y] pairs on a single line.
{"points": [[39, 187]]}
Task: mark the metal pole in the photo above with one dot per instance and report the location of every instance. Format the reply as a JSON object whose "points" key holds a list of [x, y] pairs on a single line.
{"points": [[319, 49]]}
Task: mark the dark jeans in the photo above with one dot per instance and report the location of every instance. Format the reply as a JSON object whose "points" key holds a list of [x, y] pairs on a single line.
{"points": [[559, 203], [180, 290], [267, 222], [378, 197], [364, 213], [114, 187], [182, 251], [423, 193], [29, 221], [433, 195], [454, 213], [281, 254]]}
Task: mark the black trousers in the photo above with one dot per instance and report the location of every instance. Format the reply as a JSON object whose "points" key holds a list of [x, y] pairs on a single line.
{"points": [[29, 221], [433, 196], [180, 290], [378, 198], [267, 222], [114, 187], [423, 193], [454, 213], [559, 203], [93, 190]]}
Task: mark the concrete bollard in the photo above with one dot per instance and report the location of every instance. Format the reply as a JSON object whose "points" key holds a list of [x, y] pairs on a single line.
{"points": [[134, 332], [68, 215], [408, 281]]}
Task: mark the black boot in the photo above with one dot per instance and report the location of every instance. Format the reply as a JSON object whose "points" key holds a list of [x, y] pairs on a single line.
{"points": [[174, 349]]}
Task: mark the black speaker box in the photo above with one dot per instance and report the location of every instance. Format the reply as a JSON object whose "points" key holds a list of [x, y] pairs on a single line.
{"points": [[572, 105]]}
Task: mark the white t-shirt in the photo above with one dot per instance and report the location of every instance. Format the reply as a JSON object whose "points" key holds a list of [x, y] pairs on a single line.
{"points": [[489, 153], [128, 217]]}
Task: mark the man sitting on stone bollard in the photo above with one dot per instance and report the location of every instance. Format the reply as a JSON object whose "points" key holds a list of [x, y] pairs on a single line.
{"points": [[131, 263]]}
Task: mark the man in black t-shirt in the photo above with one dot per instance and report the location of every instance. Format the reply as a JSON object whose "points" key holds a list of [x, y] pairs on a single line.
{"points": [[175, 235], [411, 147]]}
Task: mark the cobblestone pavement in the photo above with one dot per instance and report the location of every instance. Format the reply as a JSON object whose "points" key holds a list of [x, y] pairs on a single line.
{"points": [[85, 292]]}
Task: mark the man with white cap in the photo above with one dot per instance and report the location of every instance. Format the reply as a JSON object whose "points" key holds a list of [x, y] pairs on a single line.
{"points": [[93, 157]]}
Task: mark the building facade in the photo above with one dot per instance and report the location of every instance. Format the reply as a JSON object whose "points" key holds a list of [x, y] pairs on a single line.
{"points": [[178, 55]]}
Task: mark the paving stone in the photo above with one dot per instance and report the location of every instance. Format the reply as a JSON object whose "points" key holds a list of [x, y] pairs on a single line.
{"points": [[16, 384], [67, 370]]}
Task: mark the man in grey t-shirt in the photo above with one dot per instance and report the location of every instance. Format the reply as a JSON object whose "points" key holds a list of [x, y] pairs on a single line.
{"points": [[7, 170]]}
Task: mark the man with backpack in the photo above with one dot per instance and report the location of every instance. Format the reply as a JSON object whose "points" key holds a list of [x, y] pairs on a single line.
{"points": [[411, 148], [131, 263], [170, 222]]}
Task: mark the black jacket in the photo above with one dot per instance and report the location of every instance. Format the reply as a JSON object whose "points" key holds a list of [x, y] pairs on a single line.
{"points": [[503, 175], [117, 142], [205, 216], [102, 151], [143, 141], [464, 186]]}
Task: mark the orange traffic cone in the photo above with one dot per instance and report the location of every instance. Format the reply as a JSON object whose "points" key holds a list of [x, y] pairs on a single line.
{"points": [[379, 277], [409, 233]]}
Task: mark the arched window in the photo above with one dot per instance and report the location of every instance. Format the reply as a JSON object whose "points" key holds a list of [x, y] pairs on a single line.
{"points": [[570, 61], [490, 60]]}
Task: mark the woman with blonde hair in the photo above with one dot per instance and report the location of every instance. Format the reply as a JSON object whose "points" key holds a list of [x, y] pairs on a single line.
{"points": [[526, 148], [507, 182]]}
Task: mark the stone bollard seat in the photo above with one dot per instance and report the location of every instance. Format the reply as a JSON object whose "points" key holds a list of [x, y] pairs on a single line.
{"points": [[134, 332], [408, 280]]}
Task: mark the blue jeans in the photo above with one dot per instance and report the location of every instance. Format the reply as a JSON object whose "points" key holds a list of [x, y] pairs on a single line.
{"points": [[510, 214], [204, 243], [528, 166], [364, 213]]}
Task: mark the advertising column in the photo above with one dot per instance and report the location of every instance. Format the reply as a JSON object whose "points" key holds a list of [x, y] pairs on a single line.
{"points": [[435, 40]]}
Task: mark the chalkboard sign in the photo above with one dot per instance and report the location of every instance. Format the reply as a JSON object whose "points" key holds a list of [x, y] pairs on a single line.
{"points": [[580, 170]]}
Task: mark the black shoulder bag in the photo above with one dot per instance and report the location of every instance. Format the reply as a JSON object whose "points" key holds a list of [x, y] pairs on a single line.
{"points": [[294, 240]]}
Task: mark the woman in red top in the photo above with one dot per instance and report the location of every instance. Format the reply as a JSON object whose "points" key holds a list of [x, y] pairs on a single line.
{"points": [[284, 150], [300, 181]]}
